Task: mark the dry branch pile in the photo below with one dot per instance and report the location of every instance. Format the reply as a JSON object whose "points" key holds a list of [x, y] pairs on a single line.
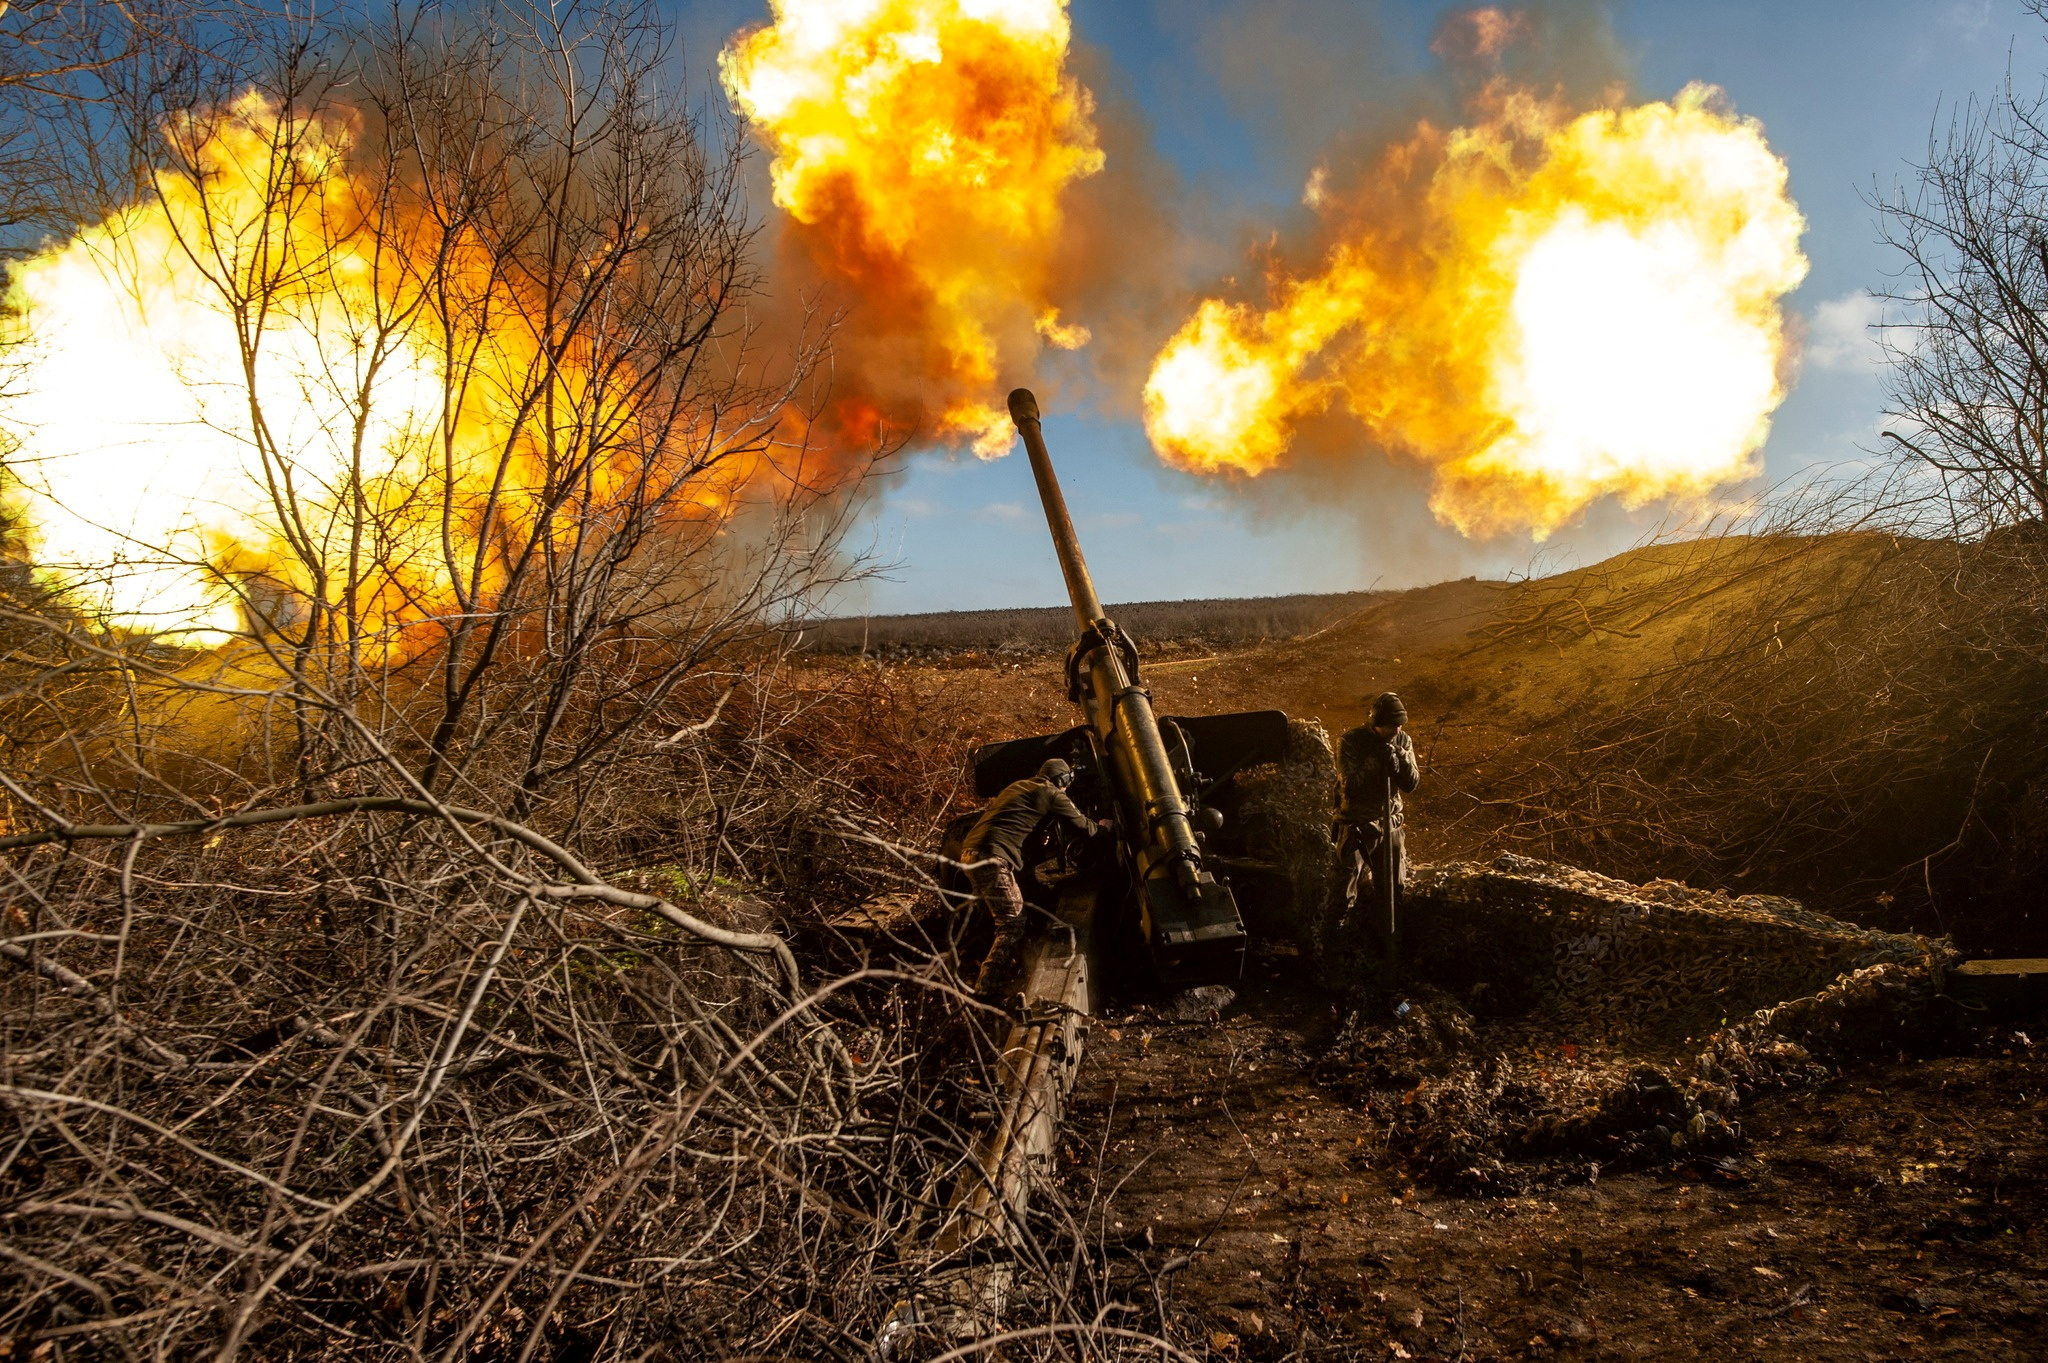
{"points": [[374, 1079], [383, 1079], [385, 1076]]}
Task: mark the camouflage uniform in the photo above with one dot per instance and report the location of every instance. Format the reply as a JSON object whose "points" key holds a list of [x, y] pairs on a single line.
{"points": [[1376, 773], [993, 854]]}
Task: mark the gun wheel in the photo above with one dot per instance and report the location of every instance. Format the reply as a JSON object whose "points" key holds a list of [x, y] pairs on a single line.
{"points": [[1282, 822]]}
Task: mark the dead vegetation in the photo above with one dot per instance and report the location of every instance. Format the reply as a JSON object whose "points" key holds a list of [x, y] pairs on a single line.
{"points": [[1167, 627], [382, 1076], [1847, 717], [412, 972], [385, 1076]]}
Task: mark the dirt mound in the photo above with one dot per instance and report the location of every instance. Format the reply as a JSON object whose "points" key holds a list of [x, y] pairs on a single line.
{"points": [[1555, 1022], [1516, 933]]}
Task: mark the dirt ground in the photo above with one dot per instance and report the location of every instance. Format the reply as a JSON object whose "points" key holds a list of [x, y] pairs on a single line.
{"points": [[1896, 1212]]}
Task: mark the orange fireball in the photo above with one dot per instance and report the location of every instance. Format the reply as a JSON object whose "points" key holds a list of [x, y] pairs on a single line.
{"points": [[282, 391], [1548, 308], [921, 148], [171, 445]]}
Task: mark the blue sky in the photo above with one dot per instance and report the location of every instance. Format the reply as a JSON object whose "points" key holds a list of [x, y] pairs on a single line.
{"points": [[1238, 98]]}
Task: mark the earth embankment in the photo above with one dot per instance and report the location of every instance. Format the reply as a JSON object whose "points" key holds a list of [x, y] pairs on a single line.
{"points": [[1851, 719]]}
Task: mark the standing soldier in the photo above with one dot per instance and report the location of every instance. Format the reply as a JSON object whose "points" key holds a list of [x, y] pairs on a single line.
{"points": [[1377, 762], [993, 854]]}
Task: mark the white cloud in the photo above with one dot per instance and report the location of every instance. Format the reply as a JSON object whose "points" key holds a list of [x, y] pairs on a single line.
{"points": [[1840, 336], [1008, 513]]}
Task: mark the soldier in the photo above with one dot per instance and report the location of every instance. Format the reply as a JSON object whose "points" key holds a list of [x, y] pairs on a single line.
{"points": [[1377, 763], [993, 854]]}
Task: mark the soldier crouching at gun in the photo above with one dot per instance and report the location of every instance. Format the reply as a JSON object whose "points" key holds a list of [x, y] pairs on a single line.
{"points": [[993, 854], [1377, 763]]}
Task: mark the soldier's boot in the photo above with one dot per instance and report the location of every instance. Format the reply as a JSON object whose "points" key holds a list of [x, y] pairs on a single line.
{"points": [[1000, 962]]}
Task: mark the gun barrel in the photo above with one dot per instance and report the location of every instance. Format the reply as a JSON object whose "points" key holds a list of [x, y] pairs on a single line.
{"points": [[1080, 586], [1190, 917]]}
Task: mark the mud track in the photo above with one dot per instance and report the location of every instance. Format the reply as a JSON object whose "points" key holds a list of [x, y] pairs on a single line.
{"points": [[1894, 1212]]}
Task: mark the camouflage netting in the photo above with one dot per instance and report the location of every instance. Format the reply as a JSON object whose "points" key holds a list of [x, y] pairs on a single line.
{"points": [[1281, 816], [1655, 957], [1557, 1021]]}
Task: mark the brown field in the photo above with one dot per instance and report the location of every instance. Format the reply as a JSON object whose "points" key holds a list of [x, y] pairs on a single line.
{"points": [[1505, 681], [1893, 1212], [1168, 627]]}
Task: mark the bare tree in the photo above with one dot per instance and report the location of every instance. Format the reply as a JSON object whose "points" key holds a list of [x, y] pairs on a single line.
{"points": [[76, 76], [1969, 341], [516, 465]]}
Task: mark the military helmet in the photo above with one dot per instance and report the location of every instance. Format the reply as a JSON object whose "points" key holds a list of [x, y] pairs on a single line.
{"points": [[1388, 709], [1055, 771]]}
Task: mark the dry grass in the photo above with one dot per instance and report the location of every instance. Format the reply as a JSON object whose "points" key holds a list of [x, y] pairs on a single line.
{"points": [[1849, 718], [1166, 627]]}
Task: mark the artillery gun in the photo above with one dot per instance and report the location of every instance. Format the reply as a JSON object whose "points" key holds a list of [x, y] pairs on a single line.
{"points": [[1165, 783], [1162, 901]]}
